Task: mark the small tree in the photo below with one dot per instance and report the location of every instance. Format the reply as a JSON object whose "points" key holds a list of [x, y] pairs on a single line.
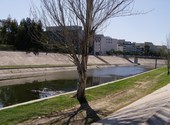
{"points": [[91, 15], [168, 54]]}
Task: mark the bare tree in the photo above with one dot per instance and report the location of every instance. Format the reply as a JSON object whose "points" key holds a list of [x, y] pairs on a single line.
{"points": [[91, 15], [168, 54]]}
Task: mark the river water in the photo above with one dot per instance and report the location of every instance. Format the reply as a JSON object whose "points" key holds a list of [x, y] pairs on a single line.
{"points": [[22, 90]]}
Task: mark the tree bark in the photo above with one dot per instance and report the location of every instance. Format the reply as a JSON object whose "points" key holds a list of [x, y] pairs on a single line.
{"points": [[82, 71], [168, 67]]}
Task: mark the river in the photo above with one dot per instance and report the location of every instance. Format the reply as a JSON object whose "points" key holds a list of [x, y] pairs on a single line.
{"points": [[16, 91]]}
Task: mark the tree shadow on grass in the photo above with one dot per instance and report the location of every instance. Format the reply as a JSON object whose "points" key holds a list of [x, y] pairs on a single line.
{"points": [[90, 115], [84, 115]]}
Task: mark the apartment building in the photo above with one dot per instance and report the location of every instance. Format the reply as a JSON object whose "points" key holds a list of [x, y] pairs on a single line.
{"points": [[140, 47], [73, 32], [102, 44], [126, 46]]}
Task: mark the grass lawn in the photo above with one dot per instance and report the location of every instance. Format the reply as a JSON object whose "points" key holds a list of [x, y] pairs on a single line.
{"points": [[142, 84]]}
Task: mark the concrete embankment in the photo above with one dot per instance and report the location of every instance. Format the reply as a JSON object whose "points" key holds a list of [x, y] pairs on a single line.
{"points": [[59, 62], [56, 59], [22, 58]]}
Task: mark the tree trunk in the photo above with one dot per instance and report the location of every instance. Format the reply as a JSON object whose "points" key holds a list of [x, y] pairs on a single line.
{"points": [[82, 71], [82, 68], [168, 65], [81, 93], [168, 70]]}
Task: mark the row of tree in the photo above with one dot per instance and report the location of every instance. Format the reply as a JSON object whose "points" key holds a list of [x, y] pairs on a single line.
{"points": [[26, 36]]}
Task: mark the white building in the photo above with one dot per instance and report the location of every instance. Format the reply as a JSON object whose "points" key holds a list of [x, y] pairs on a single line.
{"points": [[119, 48], [103, 44], [120, 45], [140, 48], [126, 46]]}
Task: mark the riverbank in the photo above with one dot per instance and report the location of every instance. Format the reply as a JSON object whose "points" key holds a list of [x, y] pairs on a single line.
{"points": [[51, 59], [45, 60], [20, 64], [16, 73], [104, 100]]}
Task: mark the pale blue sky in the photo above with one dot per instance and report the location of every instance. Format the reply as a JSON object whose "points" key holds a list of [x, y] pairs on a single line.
{"points": [[150, 27]]}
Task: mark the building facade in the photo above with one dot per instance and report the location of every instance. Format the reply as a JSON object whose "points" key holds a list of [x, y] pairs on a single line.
{"points": [[71, 37], [73, 32], [102, 44], [126, 46]]}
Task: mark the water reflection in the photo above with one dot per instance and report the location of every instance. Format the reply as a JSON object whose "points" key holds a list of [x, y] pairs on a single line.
{"points": [[117, 71], [39, 87]]}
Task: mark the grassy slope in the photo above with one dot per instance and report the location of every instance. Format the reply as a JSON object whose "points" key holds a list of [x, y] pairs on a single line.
{"points": [[156, 78]]}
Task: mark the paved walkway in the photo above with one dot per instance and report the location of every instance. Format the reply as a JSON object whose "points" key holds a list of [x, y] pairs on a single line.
{"points": [[153, 109]]}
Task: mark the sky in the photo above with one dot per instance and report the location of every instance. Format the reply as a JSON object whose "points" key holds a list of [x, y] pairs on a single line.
{"points": [[153, 26]]}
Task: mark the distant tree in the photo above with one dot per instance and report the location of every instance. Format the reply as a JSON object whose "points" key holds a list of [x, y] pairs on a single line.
{"points": [[111, 52], [146, 50], [162, 52], [168, 54], [9, 31], [26, 40], [23, 38]]}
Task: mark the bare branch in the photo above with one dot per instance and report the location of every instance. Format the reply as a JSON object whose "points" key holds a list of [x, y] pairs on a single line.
{"points": [[91, 15]]}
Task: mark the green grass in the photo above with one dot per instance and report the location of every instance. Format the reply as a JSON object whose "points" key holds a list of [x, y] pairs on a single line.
{"points": [[129, 83], [157, 78], [21, 113]]}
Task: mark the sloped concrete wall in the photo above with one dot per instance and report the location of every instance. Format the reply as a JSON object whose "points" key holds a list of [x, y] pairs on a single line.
{"points": [[115, 60], [150, 62], [23, 58]]}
